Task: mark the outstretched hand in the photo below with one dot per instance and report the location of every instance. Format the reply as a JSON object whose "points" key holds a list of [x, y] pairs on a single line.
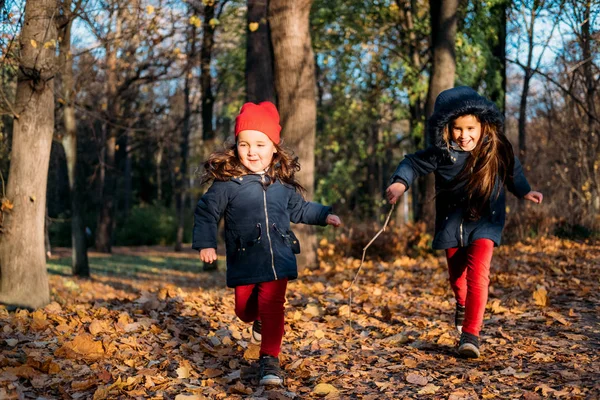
{"points": [[394, 192], [333, 220], [535, 197], [208, 255]]}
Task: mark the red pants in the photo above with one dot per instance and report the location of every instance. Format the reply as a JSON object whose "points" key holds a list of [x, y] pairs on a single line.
{"points": [[264, 301], [469, 270]]}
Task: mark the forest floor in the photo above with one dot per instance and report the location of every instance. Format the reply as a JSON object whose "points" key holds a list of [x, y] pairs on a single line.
{"points": [[151, 325]]}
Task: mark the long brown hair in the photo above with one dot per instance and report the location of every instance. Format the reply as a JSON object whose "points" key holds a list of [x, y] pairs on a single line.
{"points": [[223, 165], [491, 160]]}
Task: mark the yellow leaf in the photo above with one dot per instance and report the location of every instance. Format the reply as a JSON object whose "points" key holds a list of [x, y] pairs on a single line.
{"points": [[150, 10], [50, 44], [183, 372], [214, 22], [430, 388], [253, 26], [7, 205], [540, 296], [188, 397], [33, 43], [323, 389], [319, 334], [194, 20]]}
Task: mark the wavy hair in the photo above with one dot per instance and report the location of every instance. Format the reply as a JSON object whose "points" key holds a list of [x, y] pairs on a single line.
{"points": [[491, 159], [223, 165]]}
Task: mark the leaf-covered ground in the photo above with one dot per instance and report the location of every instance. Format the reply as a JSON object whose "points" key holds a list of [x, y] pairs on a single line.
{"points": [[151, 326]]}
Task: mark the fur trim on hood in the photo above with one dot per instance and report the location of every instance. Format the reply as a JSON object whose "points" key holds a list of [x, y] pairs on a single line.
{"points": [[459, 101]]}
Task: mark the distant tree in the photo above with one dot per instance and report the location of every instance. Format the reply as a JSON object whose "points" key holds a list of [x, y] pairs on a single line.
{"points": [[260, 82], [79, 261]]}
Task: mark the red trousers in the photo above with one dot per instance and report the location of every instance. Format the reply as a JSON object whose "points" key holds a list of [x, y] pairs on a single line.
{"points": [[469, 271], [264, 301]]}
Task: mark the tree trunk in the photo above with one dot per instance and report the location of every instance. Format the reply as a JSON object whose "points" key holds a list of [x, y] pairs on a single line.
{"points": [[443, 16], [295, 88], [208, 42], [525, 92], [499, 11], [106, 215], [590, 95], [260, 82], [23, 276], [79, 262], [182, 176]]}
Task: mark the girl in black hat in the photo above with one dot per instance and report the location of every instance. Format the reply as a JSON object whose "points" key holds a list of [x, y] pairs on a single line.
{"points": [[473, 161]]}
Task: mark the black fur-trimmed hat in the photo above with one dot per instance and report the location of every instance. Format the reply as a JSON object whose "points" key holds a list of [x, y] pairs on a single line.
{"points": [[458, 101]]}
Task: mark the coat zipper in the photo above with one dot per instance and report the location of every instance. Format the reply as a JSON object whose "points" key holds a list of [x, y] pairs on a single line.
{"points": [[268, 230], [461, 233]]}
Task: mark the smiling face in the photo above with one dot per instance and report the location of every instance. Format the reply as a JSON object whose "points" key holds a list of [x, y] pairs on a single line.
{"points": [[466, 132], [255, 150]]}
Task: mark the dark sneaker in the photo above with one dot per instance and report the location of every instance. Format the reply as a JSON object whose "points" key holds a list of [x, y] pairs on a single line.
{"points": [[270, 372], [469, 345], [256, 335], [459, 317]]}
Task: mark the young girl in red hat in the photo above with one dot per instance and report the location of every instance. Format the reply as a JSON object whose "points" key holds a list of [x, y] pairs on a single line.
{"points": [[255, 189]]}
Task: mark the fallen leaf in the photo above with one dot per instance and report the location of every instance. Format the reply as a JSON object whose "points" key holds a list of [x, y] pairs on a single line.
{"points": [[417, 379], [430, 388], [540, 296], [323, 389]]}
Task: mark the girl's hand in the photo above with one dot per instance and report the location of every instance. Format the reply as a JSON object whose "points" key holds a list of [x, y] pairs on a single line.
{"points": [[394, 191], [536, 197], [208, 255], [333, 220]]}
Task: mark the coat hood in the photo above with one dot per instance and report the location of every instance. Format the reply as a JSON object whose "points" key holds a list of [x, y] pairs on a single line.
{"points": [[458, 101]]}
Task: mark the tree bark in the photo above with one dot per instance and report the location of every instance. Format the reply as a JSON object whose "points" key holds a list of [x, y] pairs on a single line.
{"points": [[525, 91], [208, 42], [104, 230], [499, 11], [295, 89], [23, 276], [590, 96], [443, 16], [79, 262], [260, 82], [182, 175]]}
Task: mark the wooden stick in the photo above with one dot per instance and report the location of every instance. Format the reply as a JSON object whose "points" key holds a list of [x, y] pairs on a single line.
{"points": [[387, 220]]}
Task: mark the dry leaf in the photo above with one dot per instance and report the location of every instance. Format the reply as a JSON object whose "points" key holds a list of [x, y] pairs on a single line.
{"points": [[430, 388], [253, 26], [540, 296], [417, 379], [323, 389]]}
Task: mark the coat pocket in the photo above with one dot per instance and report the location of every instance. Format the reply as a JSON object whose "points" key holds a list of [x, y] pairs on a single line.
{"points": [[289, 238]]}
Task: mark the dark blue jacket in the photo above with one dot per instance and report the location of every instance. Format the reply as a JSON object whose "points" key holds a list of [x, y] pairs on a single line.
{"points": [[259, 244], [452, 226]]}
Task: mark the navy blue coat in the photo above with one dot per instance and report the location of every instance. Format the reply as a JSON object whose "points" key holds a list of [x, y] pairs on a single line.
{"points": [[259, 243], [453, 228]]}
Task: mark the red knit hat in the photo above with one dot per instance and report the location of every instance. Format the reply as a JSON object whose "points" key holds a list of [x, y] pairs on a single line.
{"points": [[261, 117]]}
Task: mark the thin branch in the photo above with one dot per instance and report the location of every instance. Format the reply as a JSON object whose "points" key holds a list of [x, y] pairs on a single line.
{"points": [[565, 90]]}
